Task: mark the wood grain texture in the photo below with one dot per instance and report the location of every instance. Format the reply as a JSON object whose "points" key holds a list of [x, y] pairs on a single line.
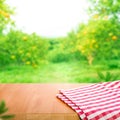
{"points": [[37, 101]]}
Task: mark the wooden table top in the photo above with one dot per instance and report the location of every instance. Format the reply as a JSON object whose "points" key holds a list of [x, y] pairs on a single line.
{"points": [[37, 101]]}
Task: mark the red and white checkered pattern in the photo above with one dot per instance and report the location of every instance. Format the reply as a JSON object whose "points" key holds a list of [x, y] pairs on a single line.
{"points": [[94, 102]]}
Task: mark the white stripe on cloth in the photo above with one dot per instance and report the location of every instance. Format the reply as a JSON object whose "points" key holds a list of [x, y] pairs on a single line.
{"points": [[94, 102]]}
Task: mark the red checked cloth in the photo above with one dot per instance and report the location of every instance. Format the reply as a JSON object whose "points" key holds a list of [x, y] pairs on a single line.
{"points": [[94, 102]]}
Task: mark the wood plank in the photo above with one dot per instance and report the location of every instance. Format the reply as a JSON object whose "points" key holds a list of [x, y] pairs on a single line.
{"points": [[37, 101]]}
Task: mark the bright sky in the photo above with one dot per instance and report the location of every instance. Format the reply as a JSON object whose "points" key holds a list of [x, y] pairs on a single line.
{"points": [[50, 18]]}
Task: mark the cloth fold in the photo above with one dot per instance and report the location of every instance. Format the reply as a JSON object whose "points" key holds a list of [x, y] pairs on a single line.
{"points": [[94, 102]]}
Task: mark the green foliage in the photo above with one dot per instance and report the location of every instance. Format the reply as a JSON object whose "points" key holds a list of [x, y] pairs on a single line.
{"points": [[5, 12], [3, 110], [17, 47], [113, 64], [61, 50], [21, 48], [62, 72], [97, 40], [100, 39], [110, 8], [59, 57], [107, 76]]}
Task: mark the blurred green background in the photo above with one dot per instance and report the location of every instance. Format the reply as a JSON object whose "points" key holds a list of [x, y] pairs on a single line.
{"points": [[88, 54]]}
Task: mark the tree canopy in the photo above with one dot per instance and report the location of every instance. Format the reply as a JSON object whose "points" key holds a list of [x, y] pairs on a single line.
{"points": [[5, 15]]}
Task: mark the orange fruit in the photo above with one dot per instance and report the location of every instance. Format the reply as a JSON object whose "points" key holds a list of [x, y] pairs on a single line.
{"points": [[27, 62], [114, 37], [13, 57], [24, 38]]}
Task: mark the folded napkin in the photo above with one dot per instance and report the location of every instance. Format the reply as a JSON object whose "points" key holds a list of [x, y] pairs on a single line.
{"points": [[94, 102]]}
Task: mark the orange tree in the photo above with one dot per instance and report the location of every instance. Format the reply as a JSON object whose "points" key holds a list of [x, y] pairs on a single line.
{"points": [[100, 37], [5, 20], [105, 8], [23, 48], [105, 13], [5, 12], [17, 47]]}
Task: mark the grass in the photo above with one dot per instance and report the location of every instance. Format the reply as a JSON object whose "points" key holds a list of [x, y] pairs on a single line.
{"points": [[64, 72]]}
